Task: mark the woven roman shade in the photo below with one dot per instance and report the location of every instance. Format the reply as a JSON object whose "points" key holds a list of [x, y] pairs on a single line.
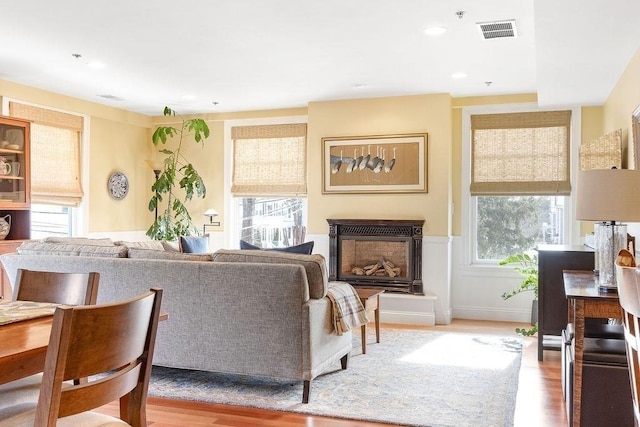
{"points": [[604, 152], [520, 154], [269, 160], [55, 154]]}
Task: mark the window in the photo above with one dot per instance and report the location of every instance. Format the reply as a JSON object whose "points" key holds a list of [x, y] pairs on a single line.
{"points": [[50, 220], [269, 184], [519, 181]]}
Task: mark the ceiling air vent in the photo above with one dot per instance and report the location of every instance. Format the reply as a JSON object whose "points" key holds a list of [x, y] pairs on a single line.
{"points": [[111, 97], [498, 29]]}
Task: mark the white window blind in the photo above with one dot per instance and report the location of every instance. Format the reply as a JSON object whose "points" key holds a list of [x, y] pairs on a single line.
{"points": [[269, 160], [520, 153], [55, 154]]}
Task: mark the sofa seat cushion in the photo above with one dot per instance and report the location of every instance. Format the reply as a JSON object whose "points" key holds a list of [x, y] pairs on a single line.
{"points": [[315, 266], [138, 253], [61, 249]]}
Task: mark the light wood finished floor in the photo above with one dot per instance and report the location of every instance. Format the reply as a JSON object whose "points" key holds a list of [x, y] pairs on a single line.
{"points": [[539, 400]]}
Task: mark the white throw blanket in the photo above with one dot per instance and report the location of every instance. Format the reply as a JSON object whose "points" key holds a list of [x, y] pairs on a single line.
{"points": [[348, 311]]}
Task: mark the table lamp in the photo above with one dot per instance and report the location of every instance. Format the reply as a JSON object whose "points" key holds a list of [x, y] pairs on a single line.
{"points": [[608, 196]]}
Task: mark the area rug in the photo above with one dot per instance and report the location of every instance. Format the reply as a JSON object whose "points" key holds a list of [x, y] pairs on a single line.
{"points": [[416, 378]]}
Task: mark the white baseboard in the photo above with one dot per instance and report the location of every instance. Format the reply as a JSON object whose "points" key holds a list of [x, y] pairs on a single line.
{"points": [[485, 313], [406, 318]]}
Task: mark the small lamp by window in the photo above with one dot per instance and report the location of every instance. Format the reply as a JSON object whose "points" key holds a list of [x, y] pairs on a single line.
{"points": [[210, 213]]}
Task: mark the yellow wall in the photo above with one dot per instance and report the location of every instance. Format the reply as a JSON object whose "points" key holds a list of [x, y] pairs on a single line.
{"points": [[378, 116], [119, 140], [623, 100]]}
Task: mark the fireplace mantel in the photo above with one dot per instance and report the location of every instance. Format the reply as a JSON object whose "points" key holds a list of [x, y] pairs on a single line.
{"points": [[375, 253]]}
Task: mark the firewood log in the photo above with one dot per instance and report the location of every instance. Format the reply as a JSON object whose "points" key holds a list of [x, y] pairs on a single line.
{"points": [[357, 271], [388, 270], [375, 268]]}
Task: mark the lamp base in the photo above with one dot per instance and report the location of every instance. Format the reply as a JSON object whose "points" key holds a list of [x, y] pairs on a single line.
{"points": [[610, 238]]}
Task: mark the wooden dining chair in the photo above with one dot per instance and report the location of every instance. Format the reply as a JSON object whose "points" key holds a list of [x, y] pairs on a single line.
{"points": [[113, 345], [628, 281], [55, 287]]}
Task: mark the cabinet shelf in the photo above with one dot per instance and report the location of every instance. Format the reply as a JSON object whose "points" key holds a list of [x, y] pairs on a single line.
{"points": [[8, 151]]}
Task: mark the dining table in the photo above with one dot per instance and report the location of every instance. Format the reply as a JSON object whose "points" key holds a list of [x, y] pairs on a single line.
{"points": [[23, 347], [24, 339]]}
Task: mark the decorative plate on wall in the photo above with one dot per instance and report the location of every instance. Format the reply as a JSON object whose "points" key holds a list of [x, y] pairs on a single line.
{"points": [[118, 185]]}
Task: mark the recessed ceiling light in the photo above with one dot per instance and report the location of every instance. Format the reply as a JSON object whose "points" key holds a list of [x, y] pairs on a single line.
{"points": [[435, 31], [459, 75], [96, 65], [359, 86]]}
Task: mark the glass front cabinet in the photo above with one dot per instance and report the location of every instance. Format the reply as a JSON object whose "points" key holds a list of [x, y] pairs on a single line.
{"points": [[15, 189]]}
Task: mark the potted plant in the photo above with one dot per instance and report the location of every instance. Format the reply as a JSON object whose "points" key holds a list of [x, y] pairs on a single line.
{"points": [[178, 181], [527, 266]]}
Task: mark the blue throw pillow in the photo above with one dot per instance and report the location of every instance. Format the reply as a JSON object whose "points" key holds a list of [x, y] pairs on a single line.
{"points": [[194, 244], [303, 248]]}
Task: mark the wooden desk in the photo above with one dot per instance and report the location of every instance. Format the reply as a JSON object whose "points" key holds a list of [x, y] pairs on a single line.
{"points": [[585, 300], [370, 298]]}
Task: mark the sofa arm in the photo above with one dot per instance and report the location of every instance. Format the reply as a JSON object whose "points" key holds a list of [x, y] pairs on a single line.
{"points": [[323, 346]]}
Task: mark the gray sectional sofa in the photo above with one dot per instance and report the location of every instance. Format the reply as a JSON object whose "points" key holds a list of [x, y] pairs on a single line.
{"points": [[242, 312]]}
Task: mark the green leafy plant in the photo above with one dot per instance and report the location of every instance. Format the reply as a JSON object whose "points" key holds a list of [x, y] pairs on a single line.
{"points": [[527, 266], [178, 182]]}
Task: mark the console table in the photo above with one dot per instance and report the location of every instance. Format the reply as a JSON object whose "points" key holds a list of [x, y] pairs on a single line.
{"points": [[585, 300]]}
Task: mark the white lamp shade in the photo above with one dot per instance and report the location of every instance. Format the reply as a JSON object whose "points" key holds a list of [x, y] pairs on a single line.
{"points": [[608, 195], [210, 213]]}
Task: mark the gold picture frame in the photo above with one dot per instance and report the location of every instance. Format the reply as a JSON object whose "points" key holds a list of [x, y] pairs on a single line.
{"points": [[375, 164]]}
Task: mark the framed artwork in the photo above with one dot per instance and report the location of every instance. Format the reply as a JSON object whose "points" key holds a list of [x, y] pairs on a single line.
{"points": [[635, 129], [375, 164]]}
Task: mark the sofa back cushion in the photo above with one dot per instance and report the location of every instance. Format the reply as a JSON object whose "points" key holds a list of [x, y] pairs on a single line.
{"points": [[87, 241], [315, 265], [33, 247], [155, 245], [139, 253], [303, 248]]}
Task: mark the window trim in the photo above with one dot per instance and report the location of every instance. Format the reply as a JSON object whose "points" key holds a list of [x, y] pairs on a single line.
{"points": [[230, 236], [468, 217]]}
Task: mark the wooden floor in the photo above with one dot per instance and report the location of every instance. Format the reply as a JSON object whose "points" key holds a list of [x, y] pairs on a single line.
{"points": [[539, 400]]}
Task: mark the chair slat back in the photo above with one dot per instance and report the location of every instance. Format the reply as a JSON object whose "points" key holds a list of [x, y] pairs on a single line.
{"points": [[113, 341], [56, 287], [628, 281]]}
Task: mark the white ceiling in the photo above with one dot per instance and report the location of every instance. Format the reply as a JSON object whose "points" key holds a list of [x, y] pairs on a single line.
{"points": [[265, 54]]}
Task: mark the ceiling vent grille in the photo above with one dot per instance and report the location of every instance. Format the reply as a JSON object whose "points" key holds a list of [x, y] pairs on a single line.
{"points": [[111, 97], [498, 29]]}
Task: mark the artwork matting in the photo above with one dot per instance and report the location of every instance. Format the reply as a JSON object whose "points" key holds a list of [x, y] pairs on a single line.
{"points": [[375, 164]]}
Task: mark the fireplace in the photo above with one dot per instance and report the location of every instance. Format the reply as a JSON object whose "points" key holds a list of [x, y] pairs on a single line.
{"points": [[383, 254]]}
